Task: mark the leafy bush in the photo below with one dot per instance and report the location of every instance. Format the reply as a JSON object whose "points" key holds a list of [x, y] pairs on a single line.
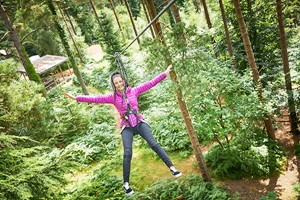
{"points": [[270, 196], [250, 156], [26, 173], [296, 188], [99, 143], [191, 187], [101, 185], [297, 150]]}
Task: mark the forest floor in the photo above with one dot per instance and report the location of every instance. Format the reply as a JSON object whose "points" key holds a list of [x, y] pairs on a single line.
{"points": [[281, 183]]}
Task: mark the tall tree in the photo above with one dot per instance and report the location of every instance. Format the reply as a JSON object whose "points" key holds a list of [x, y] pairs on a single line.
{"points": [[31, 73], [286, 69], [175, 12], [131, 19], [70, 33], [108, 37], [64, 41], [147, 17], [208, 23], [152, 13], [84, 19], [252, 63], [228, 40], [115, 13], [95, 11], [182, 105]]}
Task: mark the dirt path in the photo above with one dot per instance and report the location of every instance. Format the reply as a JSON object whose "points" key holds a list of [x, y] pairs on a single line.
{"points": [[282, 184]]}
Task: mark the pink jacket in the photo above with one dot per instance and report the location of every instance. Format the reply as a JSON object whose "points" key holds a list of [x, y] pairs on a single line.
{"points": [[132, 96]]}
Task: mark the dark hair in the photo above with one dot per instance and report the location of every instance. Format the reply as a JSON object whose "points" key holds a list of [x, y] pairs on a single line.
{"points": [[117, 74]]}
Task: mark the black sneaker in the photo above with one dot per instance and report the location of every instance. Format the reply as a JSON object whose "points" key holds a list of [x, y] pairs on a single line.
{"points": [[128, 191], [176, 173]]}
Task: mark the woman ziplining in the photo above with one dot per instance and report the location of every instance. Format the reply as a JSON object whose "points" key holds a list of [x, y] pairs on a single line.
{"points": [[125, 99]]}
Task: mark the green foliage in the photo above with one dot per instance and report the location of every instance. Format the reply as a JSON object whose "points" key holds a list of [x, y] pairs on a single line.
{"points": [[297, 150], [108, 36], [23, 108], [8, 72], [270, 196], [296, 188], [222, 102], [26, 173], [102, 185], [135, 8], [166, 125], [100, 142], [85, 20], [251, 156], [191, 187]]}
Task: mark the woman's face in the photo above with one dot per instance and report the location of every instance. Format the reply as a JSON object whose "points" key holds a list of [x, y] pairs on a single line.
{"points": [[119, 83]]}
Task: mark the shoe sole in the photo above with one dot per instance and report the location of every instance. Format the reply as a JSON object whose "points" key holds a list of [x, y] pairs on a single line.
{"points": [[178, 175], [130, 193]]}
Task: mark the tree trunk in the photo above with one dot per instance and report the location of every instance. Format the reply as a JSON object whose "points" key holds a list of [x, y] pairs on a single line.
{"points": [[67, 47], [209, 24], [286, 69], [175, 13], [30, 70], [206, 14], [190, 129], [196, 5], [252, 63], [152, 13], [228, 40], [95, 12], [70, 21], [73, 40], [187, 118], [132, 21], [115, 13], [148, 19]]}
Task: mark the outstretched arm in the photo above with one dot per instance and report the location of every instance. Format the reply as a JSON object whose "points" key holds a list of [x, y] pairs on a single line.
{"points": [[100, 99], [149, 84]]}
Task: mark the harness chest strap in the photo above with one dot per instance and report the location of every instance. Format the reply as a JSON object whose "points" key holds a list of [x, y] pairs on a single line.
{"points": [[125, 116]]}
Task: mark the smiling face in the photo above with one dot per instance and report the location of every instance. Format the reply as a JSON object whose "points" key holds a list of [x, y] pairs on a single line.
{"points": [[119, 83]]}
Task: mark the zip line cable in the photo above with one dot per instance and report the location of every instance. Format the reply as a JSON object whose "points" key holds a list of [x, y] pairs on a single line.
{"points": [[117, 55]]}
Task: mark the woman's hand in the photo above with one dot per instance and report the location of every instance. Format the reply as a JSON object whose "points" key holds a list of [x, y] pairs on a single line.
{"points": [[169, 69], [69, 96]]}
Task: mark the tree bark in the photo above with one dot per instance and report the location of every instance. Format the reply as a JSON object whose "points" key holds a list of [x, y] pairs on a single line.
{"points": [[67, 47], [132, 21], [186, 115], [148, 19], [190, 129], [30, 70], [115, 13], [95, 12], [252, 63], [286, 69], [175, 13], [228, 40], [209, 24], [71, 23], [73, 40], [152, 13]]}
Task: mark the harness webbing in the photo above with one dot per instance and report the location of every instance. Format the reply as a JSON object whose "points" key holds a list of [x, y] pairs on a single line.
{"points": [[128, 112]]}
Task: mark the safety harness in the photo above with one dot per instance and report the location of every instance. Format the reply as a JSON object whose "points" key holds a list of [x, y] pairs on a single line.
{"points": [[128, 111]]}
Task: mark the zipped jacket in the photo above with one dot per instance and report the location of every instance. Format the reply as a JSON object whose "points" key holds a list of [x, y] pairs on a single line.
{"points": [[132, 95]]}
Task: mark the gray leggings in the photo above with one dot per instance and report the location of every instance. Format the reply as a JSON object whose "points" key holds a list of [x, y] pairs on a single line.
{"points": [[127, 137]]}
